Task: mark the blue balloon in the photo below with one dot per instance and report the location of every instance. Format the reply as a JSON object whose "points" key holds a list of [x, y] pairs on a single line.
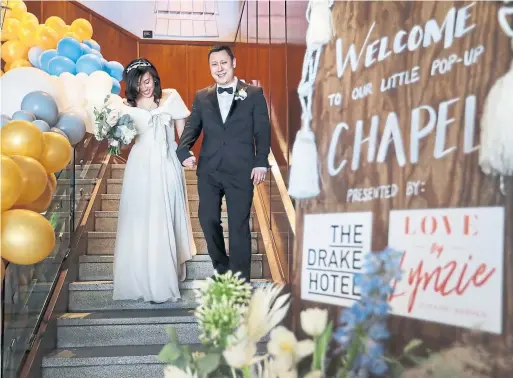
{"points": [[85, 49], [105, 62], [23, 115], [42, 125], [89, 63], [73, 126], [96, 52], [42, 106], [93, 44], [34, 54], [115, 69], [5, 120], [70, 48], [116, 87], [45, 57], [60, 64]]}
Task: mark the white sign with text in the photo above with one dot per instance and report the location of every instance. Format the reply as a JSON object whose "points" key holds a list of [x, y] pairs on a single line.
{"points": [[334, 246], [452, 266]]}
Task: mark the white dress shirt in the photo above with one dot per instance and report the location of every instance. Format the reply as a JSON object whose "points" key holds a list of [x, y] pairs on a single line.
{"points": [[225, 99]]}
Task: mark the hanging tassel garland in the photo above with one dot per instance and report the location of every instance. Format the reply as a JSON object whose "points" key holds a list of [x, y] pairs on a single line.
{"points": [[304, 172], [304, 181]]}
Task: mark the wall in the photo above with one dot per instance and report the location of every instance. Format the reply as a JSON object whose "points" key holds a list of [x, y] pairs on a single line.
{"points": [[271, 41]]}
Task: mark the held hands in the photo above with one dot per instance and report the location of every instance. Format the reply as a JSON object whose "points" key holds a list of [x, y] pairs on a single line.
{"points": [[258, 175], [190, 162]]}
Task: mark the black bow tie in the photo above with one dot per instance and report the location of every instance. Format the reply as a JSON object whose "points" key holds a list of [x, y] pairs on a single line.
{"points": [[228, 90]]}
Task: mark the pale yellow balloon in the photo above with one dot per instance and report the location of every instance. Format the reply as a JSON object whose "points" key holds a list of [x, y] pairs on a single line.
{"points": [[29, 18], [57, 152], [12, 50], [12, 182], [10, 29], [27, 33], [46, 37], [57, 24], [82, 28], [20, 63], [20, 137], [34, 178], [41, 203], [27, 237], [17, 9]]}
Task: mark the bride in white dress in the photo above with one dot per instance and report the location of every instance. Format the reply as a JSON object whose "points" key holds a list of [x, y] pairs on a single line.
{"points": [[154, 235]]}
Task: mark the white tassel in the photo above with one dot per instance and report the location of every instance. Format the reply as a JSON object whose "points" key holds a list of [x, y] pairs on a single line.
{"points": [[496, 150], [320, 30], [304, 174]]}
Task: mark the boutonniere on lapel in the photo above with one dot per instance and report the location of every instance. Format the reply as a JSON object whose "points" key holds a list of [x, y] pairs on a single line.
{"points": [[240, 95]]}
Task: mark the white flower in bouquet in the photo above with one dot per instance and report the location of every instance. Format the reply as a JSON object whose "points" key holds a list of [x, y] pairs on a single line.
{"points": [[265, 311], [287, 350], [314, 321], [112, 117], [171, 371], [240, 354]]}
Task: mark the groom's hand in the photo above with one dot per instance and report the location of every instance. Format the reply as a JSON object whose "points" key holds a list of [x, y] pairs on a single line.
{"points": [[190, 162], [258, 175]]}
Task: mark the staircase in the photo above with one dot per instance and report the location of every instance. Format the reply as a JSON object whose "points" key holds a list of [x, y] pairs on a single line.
{"points": [[100, 337]]}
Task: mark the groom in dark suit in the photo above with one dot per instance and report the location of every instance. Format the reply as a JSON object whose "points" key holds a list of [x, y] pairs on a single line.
{"points": [[233, 158]]}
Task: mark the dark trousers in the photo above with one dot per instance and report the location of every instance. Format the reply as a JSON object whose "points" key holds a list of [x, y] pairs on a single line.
{"points": [[238, 190]]}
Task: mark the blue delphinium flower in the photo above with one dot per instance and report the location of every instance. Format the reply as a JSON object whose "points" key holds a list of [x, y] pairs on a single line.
{"points": [[363, 326]]}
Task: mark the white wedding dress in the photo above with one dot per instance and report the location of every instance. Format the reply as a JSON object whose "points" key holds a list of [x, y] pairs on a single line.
{"points": [[154, 235]]}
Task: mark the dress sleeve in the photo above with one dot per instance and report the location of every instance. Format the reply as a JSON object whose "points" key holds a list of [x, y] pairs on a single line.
{"points": [[175, 105]]}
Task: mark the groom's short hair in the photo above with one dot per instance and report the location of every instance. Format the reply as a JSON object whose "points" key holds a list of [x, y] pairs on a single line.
{"points": [[218, 48]]}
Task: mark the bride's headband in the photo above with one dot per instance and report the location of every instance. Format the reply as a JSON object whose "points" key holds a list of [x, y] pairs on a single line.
{"points": [[138, 64]]}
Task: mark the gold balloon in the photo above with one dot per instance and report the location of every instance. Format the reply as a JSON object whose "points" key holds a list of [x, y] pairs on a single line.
{"points": [[57, 24], [20, 137], [26, 33], [46, 37], [52, 181], [17, 9], [1, 72], [27, 237], [12, 182], [41, 204], [20, 63], [82, 28], [10, 30], [34, 179], [57, 152], [29, 18], [12, 50]]}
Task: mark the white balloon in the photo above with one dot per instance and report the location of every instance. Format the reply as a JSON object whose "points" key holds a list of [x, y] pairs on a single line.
{"points": [[73, 89], [18, 82], [84, 114]]}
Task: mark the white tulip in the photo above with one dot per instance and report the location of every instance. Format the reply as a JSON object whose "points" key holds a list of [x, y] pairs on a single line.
{"points": [[287, 350], [314, 321]]}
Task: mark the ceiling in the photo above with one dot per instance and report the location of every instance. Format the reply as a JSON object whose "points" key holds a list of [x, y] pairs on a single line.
{"points": [[202, 20]]}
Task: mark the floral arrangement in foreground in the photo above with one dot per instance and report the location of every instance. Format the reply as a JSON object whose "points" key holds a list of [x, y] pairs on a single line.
{"points": [[118, 129], [234, 322]]}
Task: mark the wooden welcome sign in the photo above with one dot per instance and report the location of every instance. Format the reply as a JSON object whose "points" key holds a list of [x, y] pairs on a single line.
{"points": [[396, 113]]}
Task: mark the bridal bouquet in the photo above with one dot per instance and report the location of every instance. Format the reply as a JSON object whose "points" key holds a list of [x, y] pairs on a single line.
{"points": [[113, 126]]}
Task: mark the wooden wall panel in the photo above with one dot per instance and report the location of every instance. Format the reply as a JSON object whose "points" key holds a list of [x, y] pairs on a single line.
{"points": [[66, 10]]}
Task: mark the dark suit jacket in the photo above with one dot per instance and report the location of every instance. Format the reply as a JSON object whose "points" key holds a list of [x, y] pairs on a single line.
{"points": [[239, 144]]}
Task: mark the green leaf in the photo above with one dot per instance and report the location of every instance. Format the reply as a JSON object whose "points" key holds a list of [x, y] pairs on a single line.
{"points": [[208, 363], [170, 353], [416, 359], [412, 345], [321, 346], [173, 336]]}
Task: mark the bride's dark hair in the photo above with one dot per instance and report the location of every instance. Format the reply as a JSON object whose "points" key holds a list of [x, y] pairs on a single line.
{"points": [[133, 73]]}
